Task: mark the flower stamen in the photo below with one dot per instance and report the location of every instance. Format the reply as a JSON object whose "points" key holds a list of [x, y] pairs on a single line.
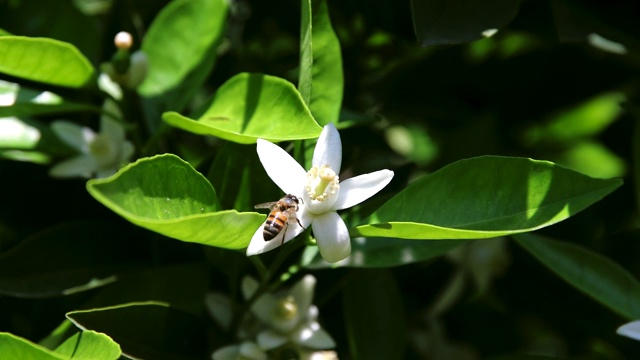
{"points": [[322, 182]]}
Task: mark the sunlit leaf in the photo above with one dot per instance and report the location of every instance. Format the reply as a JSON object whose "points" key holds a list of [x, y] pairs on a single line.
{"points": [[178, 40], [321, 81], [147, 330], [166, 195], [594, 274], [374, 315], [45, 60], [441, 22], [86, 345], [252, 106], [593, 159], [485, 197]]}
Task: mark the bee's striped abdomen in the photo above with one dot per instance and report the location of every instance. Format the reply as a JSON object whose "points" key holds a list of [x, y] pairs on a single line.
{"points": [[273, 226]]}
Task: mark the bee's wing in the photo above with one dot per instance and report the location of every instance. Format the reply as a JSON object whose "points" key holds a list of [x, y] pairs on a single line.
{"points": [[267, 205]]}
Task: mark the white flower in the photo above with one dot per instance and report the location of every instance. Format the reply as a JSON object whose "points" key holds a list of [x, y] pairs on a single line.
{"points": [[101, 153], [630, 330], [289, 316], [321, 192], [245, 351]]}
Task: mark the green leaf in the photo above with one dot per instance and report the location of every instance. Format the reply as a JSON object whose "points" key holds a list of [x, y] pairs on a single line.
{"points": [[21, 109], [165, 194], [321, 80], [147, 330], [595, 275], [252, 106], [374, 315], [86, 345], [89, 345], [178, 40], [441, 22], [45, 60], [485, 197], [382, 252], [60, 261]]}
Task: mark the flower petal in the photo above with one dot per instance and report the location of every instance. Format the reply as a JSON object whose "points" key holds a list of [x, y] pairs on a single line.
{"points": [[630, 330], [250, 350], [357, 189], [79, 166], [263, 307], [218, 306], [270, 339], [281, 168], [76, 136], [258, 245], [332, 236], [328, 149], [110, 127], [302, 293], [314, 337]]}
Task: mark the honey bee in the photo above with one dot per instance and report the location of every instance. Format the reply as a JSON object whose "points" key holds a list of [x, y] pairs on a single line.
{"points": [[283, 213]]}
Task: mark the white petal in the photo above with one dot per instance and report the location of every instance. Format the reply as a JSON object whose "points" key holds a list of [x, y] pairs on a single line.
{"points": [[230, 352], [314, 337], [281, 168], [76, 136], [218, 306], [126, 152], [631, 330], [250, 350], [357, 189], [258, 245], [249, 286], [302, 293], [82, 166], [333, 237], [269, 339], [328, 150]]}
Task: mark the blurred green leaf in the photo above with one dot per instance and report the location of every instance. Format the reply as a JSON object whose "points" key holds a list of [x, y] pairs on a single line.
{"points": [[86, 345], [61, 261], [21, 109], [45, 60], [252, 106], [321, 80], [485, 197], [374, 315], [595, 275], [586, 119], [443, 22], [147, 330], [593, 159], [179, 39], [165, 194], [382, 252], [240, 179]]}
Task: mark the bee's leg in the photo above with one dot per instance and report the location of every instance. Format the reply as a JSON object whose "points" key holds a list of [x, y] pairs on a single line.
{"points": [[304, 228], [286, 226]]}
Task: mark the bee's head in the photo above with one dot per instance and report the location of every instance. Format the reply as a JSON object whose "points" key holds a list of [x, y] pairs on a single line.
{"points": [[293, 198]]}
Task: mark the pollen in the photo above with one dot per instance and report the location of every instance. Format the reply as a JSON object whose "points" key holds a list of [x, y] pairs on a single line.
{"points": [[322, 182]]}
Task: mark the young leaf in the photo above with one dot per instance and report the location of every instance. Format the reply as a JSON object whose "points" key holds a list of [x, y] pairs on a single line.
{"points": [[595, 275], [45, 60], [374, 315], [178, 40], [441, 22], [321, 80], [485, 197], [86, 345], [166, 195], [147, 330], [252, 106]]}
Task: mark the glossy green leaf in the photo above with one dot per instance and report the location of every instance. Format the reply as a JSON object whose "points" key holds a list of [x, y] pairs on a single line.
{"points": [[33, 109], [382, 252], [252, 106], [441, 22], [60, 261], [86, 345], [166, 195], [485, 197], [321, 80], [595, 275], [147, 330], [178, 40], [45, 60], [593, 159], [374, 315]]}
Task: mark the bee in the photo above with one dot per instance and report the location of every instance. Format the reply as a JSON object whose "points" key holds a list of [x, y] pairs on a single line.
{"points": [[283, 213]]}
